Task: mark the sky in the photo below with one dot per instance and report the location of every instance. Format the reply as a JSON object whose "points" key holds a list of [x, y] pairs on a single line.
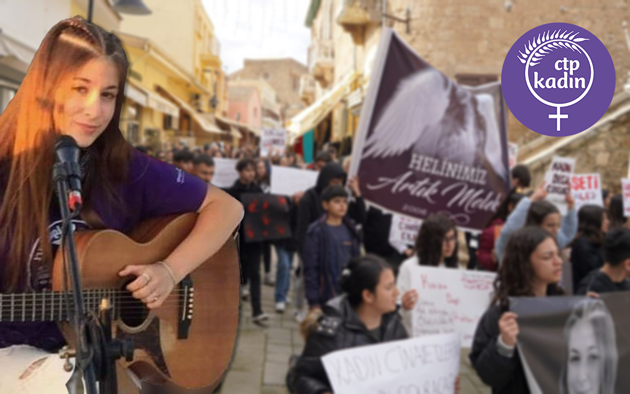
{"points": [[257, 29]]}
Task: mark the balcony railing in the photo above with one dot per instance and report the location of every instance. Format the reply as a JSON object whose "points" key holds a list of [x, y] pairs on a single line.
{"points": [[359, 12], [322, 61], [307, 89]]}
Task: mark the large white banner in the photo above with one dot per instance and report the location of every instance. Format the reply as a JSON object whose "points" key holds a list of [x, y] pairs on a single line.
{"points": [[286, 181], [412, 366], [272, 142], [450, 300], [587, 190], [225, 173], [558, 181]]}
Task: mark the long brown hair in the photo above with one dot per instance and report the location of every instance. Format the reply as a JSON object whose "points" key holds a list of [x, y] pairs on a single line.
{"points": [[431, 238], [516, 274], [28, 133]]}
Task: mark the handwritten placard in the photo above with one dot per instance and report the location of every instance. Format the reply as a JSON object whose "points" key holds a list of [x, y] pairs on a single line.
{"points": [[558, 181], [286, 181], [403, 232], [450, 300], [225, 173], [272, 142], [587, 190], [419, 365], [625, 189], [512, 153]]}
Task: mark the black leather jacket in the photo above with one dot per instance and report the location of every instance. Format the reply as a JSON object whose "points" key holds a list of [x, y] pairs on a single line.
{"points": [[338, 328]]}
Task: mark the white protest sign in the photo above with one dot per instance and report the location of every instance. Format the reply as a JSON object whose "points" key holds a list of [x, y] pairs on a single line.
{"points": [[512, 153], [450, 300], [587, 190], [419, 365], [558, 181], [286, 181], [272, 142], [225, 173], [403, 232], [625, 190]]}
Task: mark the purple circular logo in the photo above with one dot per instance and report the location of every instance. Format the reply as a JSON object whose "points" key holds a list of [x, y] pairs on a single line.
{"points": [[558, 79]]}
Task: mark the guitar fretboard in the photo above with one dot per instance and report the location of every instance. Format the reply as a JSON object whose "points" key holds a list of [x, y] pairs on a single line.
{"points": [[51, 305]]}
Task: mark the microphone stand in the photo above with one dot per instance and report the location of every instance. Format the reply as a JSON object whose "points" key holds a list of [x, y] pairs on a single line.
{"points": [[84, 352], [96, 351]]}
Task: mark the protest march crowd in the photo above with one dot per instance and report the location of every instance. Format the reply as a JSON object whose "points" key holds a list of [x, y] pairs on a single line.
{"points": [[357, 284]]}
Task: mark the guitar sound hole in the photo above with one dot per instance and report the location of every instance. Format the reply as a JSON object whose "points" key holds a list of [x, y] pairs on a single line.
{"points": [[133, 312]]}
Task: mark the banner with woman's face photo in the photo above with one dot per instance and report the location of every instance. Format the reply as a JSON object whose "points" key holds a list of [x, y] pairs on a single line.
{"points": [[575, 345]]}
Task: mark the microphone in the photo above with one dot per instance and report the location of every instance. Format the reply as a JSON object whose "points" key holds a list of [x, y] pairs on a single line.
{"points": [[67, 152]]}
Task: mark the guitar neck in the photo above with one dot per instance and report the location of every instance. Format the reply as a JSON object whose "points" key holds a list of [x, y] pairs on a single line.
{"points": [[50, 305]]}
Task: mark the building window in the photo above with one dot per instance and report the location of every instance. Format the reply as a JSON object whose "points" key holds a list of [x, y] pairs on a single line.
{"points": [[185, 123], [475, 79], [168, 122]]}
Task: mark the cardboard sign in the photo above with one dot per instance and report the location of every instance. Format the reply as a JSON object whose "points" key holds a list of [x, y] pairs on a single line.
{"points": [[450, 300], [558, 181], [286, 181], [225, 173], [272, 142], [403, 232], [587, 190], [418, 365]]}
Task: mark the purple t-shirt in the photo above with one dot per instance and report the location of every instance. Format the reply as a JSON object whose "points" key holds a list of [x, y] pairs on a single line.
{"points": [[153, 189]]}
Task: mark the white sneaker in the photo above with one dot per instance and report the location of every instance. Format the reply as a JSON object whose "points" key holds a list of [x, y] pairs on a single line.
{"points": [[299, 316], [280, 307], [244, 293], [259, 318]]}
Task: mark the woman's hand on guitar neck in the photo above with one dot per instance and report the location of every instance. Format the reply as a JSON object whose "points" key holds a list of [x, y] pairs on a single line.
{"points": [[153, 283]]}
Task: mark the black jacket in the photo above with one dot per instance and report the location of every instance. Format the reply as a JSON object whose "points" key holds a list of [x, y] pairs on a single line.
{"points": [[339, 328], [585, 257], [505, 375], [310, 208], [236, 191], [599, 282]]}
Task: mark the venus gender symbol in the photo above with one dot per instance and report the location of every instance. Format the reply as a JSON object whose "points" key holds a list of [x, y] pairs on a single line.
{"points": [[535, 52]]}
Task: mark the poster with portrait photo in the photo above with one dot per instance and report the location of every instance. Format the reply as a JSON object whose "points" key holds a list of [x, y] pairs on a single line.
{"points": [[426, 144], [575, 345]]}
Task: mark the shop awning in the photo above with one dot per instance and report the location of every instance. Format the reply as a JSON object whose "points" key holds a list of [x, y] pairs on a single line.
{"points": [[14, 49], [206, 123], [240, 126], [151, 100], [312, 115]]}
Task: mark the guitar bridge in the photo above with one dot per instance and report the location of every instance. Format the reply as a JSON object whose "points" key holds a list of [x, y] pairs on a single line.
{"points": [[186, 304]]}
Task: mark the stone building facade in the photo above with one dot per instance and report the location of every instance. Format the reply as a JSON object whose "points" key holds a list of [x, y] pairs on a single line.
{"points": [[284, 77]]}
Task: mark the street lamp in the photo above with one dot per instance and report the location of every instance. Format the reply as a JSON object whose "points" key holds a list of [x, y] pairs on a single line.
{"points": [[134, 7]]}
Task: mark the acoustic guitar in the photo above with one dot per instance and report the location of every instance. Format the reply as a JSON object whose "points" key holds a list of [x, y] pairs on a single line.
{"points": [[187, 342]]}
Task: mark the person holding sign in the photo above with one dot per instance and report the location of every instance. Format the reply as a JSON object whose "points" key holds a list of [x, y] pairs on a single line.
{"points": [[532, 267], [586, 250], [616, 212], [534, 211], [364, 314], [436, 246]]}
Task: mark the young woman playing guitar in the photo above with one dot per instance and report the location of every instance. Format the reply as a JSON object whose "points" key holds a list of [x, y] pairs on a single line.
{"points": [[75, 86]]}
